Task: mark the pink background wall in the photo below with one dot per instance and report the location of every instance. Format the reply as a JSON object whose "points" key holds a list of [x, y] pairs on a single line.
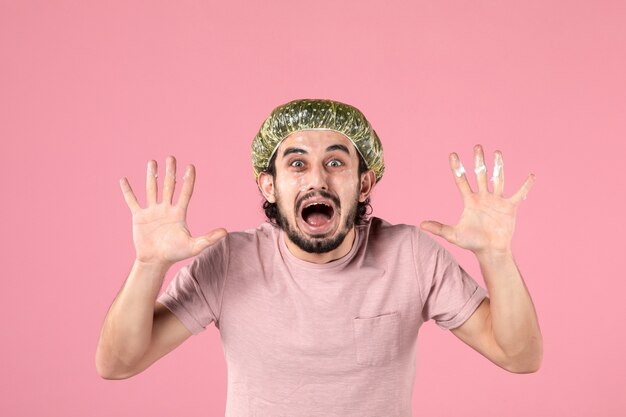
{"points": [[90, 91]]}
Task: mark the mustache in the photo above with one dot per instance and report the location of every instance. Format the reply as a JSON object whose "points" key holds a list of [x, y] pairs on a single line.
{"points": [[320, 193]]}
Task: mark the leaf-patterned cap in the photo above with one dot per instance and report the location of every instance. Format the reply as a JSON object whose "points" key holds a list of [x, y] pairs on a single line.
{"points": [[317, 114]]}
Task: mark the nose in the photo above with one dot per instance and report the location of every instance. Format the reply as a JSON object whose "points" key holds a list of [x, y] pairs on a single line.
{"points": [[317, 178]]}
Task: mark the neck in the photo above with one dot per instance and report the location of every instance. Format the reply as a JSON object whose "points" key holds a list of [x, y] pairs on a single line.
{"points": [[322, 258]]}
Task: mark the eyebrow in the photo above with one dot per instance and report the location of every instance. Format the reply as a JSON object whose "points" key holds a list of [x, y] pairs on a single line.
{"points": [[289, 151], [337, 147]]}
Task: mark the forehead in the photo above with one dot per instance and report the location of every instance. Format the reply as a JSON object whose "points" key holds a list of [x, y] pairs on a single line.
{"points": [[313, 140]]}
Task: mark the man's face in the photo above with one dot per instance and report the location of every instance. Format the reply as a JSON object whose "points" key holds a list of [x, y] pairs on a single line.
{"points": [[317, 189]]}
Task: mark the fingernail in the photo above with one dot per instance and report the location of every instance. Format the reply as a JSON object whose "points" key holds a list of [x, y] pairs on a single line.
{"points": [[151, 169]]}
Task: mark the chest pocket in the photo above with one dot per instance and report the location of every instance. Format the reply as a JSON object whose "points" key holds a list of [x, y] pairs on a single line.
{"points": [[377, 338]]}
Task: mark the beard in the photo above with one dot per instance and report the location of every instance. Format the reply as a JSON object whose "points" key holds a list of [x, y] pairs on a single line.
{"points": [[318, 243]]}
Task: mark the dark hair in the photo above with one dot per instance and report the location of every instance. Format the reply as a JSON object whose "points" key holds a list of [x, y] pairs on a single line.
{"points": [[363, 209]]}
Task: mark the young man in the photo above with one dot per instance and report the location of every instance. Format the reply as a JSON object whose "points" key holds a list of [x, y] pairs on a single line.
{"points": [[319, 309]]}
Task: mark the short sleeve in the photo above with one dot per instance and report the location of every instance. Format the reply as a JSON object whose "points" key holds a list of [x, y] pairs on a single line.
{"points": [[194, 294], [449, 294]]}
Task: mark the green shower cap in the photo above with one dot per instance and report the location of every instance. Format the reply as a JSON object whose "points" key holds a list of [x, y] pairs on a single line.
{"points": [[313, 114]]}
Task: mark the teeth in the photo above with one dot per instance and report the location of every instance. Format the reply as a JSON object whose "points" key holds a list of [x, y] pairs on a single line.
{"points": [[316, 204]]}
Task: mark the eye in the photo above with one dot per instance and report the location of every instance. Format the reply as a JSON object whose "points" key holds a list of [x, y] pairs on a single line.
{"points": [[335, 163], [297, 164]]}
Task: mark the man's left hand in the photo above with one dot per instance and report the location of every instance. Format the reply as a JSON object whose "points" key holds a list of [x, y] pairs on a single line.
{"points": [[488, 219]]}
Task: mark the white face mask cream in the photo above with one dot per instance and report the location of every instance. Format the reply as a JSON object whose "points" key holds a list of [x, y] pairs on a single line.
{"points": [[480, 165], [497, 168], [460, 170]]}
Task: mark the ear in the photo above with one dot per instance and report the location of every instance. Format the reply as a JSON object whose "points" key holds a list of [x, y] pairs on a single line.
{"points": [[266, 185], [368, 180]]}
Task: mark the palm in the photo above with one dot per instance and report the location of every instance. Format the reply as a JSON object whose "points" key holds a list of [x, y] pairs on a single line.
{"points": [[488, 219], [160, 231]]}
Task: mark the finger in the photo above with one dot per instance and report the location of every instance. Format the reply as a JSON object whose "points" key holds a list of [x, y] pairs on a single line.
{"points": [[480, 169], [151, 183], [524, 189], [459, 175], [185, 193], [129, 196], [203, 242], [170, 179], [498, 174], [439, 229]]}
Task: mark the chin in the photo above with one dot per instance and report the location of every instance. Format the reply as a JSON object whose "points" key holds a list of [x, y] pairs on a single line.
{"points": [[316, 245], [305, 238]]}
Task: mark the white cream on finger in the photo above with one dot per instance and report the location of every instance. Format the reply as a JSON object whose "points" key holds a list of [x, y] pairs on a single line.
{"points": [[497, 168], [460, 170], [480, 165]]}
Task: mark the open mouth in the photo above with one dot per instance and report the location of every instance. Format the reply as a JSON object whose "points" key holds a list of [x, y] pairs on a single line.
{"points": [[317, 214]]}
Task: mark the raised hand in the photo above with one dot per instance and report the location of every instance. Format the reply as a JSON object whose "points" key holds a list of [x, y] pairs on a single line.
{"points": [[160, 232], [488, 219]]}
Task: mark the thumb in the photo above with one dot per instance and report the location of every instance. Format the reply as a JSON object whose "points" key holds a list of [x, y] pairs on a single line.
{"points": [[438, 229], [202, 242]]}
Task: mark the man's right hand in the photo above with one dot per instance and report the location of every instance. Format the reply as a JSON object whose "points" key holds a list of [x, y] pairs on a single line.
{"points": [[160, 232]]}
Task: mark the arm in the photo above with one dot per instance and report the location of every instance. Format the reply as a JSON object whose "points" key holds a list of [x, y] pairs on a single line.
{"points": [[138, 330], [504, 328]]}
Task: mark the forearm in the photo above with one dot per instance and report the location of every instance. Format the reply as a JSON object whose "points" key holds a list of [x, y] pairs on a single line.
{"points": [[513, 319], [127, 328]]}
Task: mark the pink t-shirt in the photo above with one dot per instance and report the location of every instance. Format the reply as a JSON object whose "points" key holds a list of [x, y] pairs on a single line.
{"points": [[336, 339]]}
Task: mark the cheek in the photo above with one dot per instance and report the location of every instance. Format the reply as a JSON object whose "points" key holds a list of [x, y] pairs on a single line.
{"points": [[287, 190], [349, 180], [300, 184], [348, 188], [296, 183]]}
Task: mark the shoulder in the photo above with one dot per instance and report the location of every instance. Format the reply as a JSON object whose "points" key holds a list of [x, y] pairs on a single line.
{"points": [[249, 242], [380, 235], [239, 246], [378, 228], [380, 231], [263, 232]]}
